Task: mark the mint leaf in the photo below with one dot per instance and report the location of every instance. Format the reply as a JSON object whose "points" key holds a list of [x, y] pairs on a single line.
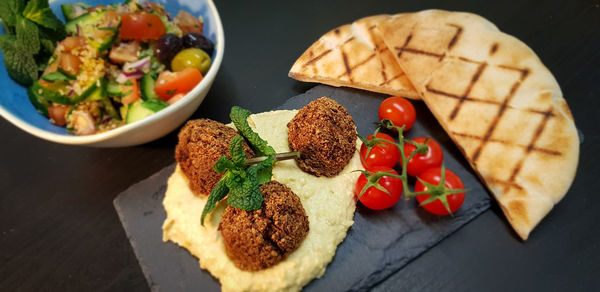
{"points": [[244, 192], [28, 38], [8, 10], [223, 164], [239, 117], [20, 65], [48, 46], [236, 150], [39, 12], [216, 195], [264, 170]]}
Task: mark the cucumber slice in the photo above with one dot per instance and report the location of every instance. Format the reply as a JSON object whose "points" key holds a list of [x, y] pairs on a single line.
{"points": [[137, 112], [73, 10], [147, 87], [100, 92], [57, 76], [155, 104], [87, 25], [114, 89], [41, 93]]}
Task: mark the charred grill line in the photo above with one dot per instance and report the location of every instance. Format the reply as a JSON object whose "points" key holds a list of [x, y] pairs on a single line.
{"points": [[462, 99], [498, 117], [494, 49], [348, 69], [401, 50], [317, 58], [493, 140], [531, 146], [456, 36]]}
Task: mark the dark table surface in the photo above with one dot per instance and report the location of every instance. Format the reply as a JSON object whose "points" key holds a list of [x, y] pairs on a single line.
{"points": [[60, 232]]}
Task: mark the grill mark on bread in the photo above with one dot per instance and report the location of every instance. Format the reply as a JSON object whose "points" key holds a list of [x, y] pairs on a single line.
{"points": [[464, 96], [507, 143], [349, 68], [317, 58], [501, 110], [348, 40], [456, 36], [506, 184], [493, 49], [531, 146], [346, 65]]}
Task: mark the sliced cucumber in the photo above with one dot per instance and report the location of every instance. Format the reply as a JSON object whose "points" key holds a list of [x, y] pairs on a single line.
{"points": [[73, 10], [57, 76], [137, 112], [41, 93], [147, 87], [90, 19], [114, 89], [100, 92], [87, 25]]}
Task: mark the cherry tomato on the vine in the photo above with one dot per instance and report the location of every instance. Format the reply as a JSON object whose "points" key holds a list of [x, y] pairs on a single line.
{"points": [[381, 154], [419, 163], [398, 110], [451, 182], [376, 199]]}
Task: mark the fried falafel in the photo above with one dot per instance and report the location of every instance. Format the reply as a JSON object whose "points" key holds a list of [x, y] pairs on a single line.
{"points": [[325, 135], [259, 239], [201, 143]]}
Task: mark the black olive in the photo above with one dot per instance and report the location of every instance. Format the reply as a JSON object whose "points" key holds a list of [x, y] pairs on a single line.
{"points": [[197, 40], [167, 47]]}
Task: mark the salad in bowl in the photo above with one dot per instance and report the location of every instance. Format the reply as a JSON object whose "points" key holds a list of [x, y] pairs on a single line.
{"points": [[121, 63]]}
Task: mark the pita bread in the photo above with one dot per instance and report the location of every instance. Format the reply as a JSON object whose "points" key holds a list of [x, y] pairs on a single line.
{"points": [[497, 101], [354, 55]]}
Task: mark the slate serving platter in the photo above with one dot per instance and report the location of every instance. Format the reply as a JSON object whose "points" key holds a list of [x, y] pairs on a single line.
{"points": [[378, 244]]}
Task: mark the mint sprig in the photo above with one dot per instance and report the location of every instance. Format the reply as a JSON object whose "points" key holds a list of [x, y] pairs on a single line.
{"points": [[29, 26], [242, 178]]}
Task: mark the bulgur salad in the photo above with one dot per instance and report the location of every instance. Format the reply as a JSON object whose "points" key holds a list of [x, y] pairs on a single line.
{"points": [[119, 64]]}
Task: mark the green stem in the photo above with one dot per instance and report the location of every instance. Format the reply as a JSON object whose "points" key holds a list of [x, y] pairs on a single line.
{"points": [[277, 156]]}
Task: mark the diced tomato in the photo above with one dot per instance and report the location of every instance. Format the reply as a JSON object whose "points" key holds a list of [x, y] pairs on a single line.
{"points": [[125, 52], [72, 42], [69, 64], [170, 84], [188, 23], [141, 26], [131, 91], [58, 114]]}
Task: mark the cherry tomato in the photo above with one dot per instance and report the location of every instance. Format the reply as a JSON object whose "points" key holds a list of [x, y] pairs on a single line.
{"points": [[376, 199], [170, 84], [141, 26], [384, 154], [398, 110], [451, 182], [421, 162]]}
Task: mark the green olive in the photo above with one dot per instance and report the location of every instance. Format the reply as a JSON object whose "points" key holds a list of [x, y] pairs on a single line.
{"points": [[192, 57]]}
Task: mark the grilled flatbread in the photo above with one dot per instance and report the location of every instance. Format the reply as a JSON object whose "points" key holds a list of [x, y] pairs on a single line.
{"points": [[497, 101], [354, 55]]}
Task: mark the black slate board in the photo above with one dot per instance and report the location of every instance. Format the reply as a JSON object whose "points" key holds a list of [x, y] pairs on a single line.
{"points": [[378, 244]]}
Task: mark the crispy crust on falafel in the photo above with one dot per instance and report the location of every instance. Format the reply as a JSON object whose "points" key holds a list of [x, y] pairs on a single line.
{"points": [[201, 143], [325, 135], [256, 240]]}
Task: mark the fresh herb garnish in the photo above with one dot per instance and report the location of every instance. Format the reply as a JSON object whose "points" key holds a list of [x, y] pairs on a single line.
{"points": [[242, 177], [154, 104], [31, 31]]}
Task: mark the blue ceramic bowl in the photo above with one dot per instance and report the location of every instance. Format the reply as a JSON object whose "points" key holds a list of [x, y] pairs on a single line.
{"points": [[17, 109]]}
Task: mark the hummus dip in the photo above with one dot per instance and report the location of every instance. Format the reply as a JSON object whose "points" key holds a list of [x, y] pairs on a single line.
{"points": [[329, 204]]}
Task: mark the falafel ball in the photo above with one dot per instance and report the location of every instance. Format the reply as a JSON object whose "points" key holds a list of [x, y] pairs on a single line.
{"points": [[259, 239], [325, 135], [201, 143]]}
